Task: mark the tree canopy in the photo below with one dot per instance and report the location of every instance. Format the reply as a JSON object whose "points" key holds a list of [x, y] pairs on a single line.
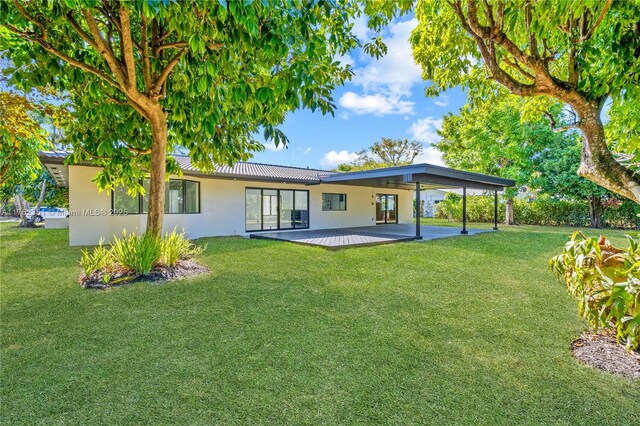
{"points": [[385, 153], [147, 77], [581, 53]]}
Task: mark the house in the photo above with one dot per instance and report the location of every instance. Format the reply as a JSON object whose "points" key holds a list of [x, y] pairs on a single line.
{"points": [[429, 198], [251, 198]]}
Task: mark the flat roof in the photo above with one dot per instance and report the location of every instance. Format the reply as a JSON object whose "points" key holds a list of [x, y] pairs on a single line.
{"points": [[427, 175], [400, 177]]}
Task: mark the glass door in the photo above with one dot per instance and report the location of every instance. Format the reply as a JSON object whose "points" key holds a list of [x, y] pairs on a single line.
{"points": [[269, 209], [386, 208]]}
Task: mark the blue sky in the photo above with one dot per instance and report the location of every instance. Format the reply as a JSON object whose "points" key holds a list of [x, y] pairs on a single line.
{"points": [[384, 99]]}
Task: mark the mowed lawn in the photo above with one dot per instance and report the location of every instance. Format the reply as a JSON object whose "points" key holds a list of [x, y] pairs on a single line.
{"points": [[469, 330]]}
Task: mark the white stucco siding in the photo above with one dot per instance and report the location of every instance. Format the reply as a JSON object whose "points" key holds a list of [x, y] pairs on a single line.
{"points": [[222, 208]]}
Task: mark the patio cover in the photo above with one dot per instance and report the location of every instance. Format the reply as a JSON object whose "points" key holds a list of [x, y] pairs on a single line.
{"points": [[427, 176]]}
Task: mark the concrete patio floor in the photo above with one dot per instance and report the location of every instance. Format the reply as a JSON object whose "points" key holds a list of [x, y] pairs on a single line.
{"points": [[364, 235]]}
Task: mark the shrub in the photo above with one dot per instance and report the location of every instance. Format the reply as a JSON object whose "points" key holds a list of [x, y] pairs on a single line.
{"points": [[605, 281], [133, 255], [543, 211], [96, 260], [175, 247], [137, 253]]}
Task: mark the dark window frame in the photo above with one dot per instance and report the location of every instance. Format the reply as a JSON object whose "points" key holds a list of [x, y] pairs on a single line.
{"points": [[396, 209], [184, 198], [334, 210], [262, 189]]}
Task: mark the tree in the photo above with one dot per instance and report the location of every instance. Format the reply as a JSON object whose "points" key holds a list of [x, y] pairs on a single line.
{"points": [[555, 174], [21, 135], [385, 153], [492, 137], [580, 53], [147, 77]]}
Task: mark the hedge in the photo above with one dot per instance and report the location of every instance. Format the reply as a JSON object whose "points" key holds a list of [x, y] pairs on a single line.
{"points": [[543, 211]]}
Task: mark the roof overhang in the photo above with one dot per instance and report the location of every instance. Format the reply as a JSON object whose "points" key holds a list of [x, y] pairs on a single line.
{"points": [[427, 175], [56, 167]]}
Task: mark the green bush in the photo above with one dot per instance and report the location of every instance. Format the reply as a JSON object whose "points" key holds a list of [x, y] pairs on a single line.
{"points": [[96, 260], [137, 253], [605, 281], [175, 247], [133, 255], [543, 211]]}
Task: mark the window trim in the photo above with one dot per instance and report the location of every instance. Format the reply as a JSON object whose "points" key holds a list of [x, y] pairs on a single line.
{"points": [[261, 189], [334, 210], [184, 198]]}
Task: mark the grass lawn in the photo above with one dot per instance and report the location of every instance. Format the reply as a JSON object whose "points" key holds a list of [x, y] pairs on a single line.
{"points": [[457, 331]]}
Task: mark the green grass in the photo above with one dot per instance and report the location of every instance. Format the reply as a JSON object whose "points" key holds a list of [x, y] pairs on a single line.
{"points": [[456, 331]]}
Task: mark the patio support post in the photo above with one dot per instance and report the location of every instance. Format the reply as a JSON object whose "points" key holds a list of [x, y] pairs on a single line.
{"points": [[418, 211], [464, 211], [495, 210]]}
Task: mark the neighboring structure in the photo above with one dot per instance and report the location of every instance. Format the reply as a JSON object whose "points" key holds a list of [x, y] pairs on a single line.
{"points": [[251, 197], [431, 197]]}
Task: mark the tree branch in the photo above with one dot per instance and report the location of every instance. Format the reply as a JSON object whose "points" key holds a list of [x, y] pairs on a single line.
{"points": [[553, 123], [167, 70], [533, 42], [176, 45], [46, 46], [515, 65], [146, 64], [104, 50], [84, 35], [598, 21], [127, 46], [33, 20]]}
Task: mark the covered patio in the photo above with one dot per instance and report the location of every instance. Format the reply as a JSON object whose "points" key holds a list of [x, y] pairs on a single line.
{"points": [[364, 235], [426, 176]]}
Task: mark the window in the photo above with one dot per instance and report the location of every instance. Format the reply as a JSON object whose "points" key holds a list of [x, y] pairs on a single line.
{"points": [[274, 209], [181, 196], [123, 203], [334, 202]]}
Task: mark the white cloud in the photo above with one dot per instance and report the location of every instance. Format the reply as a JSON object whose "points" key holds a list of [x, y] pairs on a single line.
{"points": [[442, 101], [271, 146], [344, 115], [425, 129], [305, 151], [345, 59], [396, 71], [376, 104], [430, 155], [333, 158], [360, 28], [385, 82]]}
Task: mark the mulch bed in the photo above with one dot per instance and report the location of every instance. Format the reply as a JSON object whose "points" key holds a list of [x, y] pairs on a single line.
{"points": [[604, 353], [183, 269]]}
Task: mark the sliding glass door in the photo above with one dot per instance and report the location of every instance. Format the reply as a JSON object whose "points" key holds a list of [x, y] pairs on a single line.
{"points": [[386, 208], [273, 209]]}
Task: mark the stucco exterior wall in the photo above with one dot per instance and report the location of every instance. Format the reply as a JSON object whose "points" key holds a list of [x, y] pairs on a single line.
{"points": [[222, 208]]}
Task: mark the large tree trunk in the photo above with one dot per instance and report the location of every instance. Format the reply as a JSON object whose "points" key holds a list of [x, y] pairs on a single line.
{"points": [[598, 164], [21, 204], [509, 217], [36, 210], [595, 211], [155, 215]]}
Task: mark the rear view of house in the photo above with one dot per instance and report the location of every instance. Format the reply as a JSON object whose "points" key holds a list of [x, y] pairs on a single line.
{"points": [[251, 198]]}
